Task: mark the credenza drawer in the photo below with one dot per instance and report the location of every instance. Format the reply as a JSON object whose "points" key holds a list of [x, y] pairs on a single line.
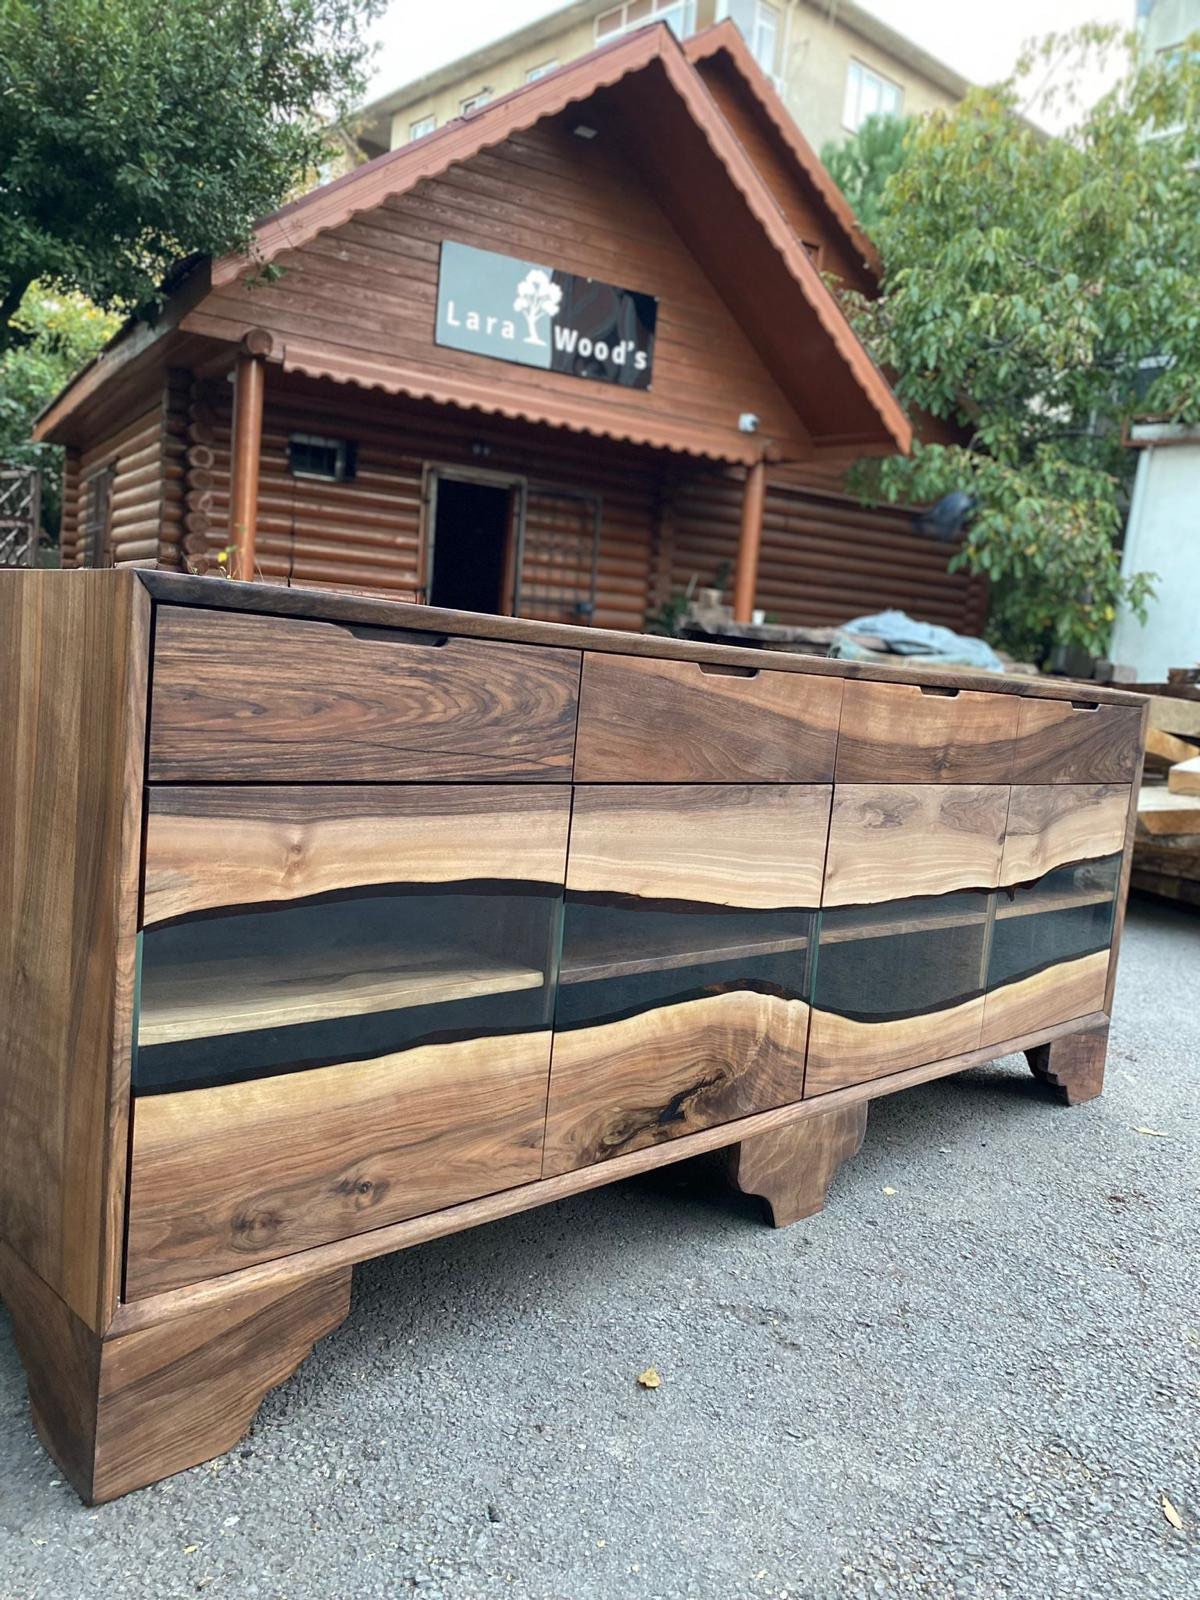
{"points": [[909, 733], [276, 699], [690, 722], [1064, 741]]}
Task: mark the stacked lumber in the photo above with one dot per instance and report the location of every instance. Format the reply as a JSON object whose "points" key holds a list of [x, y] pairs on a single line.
{"points": [[1166, 850]]}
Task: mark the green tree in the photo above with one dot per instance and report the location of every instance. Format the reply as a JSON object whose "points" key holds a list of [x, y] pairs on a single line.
{"points": [[862, 165], [136, 132], [57, 333], [1039, 293]]}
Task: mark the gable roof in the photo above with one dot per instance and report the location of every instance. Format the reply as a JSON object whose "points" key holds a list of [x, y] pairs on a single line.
{"points": [[725, 45], [714, 195]]}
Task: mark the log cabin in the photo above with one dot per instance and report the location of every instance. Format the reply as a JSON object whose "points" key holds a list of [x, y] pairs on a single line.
{"points": [[555, 360]]}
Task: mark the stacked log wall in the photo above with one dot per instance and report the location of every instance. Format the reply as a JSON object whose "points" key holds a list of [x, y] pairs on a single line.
{"points": [[825, 558]]}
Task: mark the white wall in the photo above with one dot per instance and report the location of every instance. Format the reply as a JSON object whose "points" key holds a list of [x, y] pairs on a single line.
{"points": [[1163, 536]]}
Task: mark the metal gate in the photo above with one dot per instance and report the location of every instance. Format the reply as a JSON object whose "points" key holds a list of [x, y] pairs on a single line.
{"points": [[558, 555]]}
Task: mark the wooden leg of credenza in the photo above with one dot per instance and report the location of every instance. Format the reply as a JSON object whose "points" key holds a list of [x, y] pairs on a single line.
{"points": [[120, 1412], [1074, 1064], [791, 1168]]}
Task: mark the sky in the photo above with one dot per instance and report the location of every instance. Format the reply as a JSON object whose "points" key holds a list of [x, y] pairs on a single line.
{"points": [[980, 40]]}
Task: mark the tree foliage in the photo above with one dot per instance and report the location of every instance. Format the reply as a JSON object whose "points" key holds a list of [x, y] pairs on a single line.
{"points": [[59, 333], [862, 166], [136, 132], [1040, 293]]}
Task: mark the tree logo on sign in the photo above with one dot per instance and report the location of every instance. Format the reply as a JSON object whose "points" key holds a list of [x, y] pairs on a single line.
{"points": [[538, 296]]}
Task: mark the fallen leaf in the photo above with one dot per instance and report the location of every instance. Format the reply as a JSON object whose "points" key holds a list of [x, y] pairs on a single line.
{"points": [[190, 1549], [649, 1379], [1153, 1133], [889, 1191], [1172, 1516]]}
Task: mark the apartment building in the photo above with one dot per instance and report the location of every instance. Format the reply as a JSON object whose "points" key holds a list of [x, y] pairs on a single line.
{"points": [[833, 63]]}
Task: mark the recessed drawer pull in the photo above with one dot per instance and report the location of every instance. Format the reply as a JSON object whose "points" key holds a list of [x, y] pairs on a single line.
{"points": [[936, 688], [720, 669], [1086, 705], [373, 635]]}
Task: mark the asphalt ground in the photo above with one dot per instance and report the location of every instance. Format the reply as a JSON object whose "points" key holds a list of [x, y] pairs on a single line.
{"points": [[976, 1374]]}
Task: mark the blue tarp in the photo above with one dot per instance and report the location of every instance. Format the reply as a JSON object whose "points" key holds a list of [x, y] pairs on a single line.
{"points": [[904, 636]]}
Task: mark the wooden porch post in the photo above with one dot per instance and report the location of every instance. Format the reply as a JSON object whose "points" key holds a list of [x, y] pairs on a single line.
{"points": [[745, 582], [248, 386]]}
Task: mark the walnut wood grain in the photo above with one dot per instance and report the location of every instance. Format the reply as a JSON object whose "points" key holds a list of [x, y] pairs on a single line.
{"points": [[268, 699], [791, 1168], [1060, 742], [73, 661], [1051, 825], [750, 845], [1059, 993], [899, 731], [685, 722], [892, 841], [230, 846], [1072, 1064], [227, 1176], [181, 589], [843, 1051], [210, 999], [619, 1086], [122, 1412]]}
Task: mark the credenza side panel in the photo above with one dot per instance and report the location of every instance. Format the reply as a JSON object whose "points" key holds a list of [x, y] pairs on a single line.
{"points": [[73, 664]]}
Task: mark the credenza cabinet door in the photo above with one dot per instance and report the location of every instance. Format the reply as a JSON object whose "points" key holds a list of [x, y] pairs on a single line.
{"points": [[1054, 911], [901, 964], [687, 934], [344, 1020]]}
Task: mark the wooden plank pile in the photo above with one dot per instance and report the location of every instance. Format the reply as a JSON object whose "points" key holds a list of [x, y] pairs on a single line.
{"points": [[1166, 851]]}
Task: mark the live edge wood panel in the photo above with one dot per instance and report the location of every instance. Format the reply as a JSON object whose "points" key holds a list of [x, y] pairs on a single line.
{"points": [[237, 1173], [722, 1030]]}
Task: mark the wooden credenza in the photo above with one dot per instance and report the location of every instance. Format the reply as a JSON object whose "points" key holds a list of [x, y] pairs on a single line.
{"points": [[331, 925]]}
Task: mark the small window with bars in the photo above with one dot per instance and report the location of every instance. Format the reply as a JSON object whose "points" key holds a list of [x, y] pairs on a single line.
{"points": [[311, 456]]}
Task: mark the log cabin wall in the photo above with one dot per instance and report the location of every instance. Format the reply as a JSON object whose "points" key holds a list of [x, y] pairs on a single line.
{"points": [[825, 558], [366, 533], [68, 532], [144, 456]]}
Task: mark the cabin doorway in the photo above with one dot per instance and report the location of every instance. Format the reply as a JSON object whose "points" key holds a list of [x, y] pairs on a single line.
{"points": [[474, 523]]}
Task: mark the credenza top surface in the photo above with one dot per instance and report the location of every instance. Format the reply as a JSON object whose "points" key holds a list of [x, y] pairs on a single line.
{"points": [[369, 611]]}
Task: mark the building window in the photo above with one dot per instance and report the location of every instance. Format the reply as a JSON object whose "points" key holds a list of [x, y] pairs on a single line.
{"points": [[97, 517], [535, 73], [679, 16], [310, 456], [869, 94], [765, 40], [474, 102], [422, 126]]}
